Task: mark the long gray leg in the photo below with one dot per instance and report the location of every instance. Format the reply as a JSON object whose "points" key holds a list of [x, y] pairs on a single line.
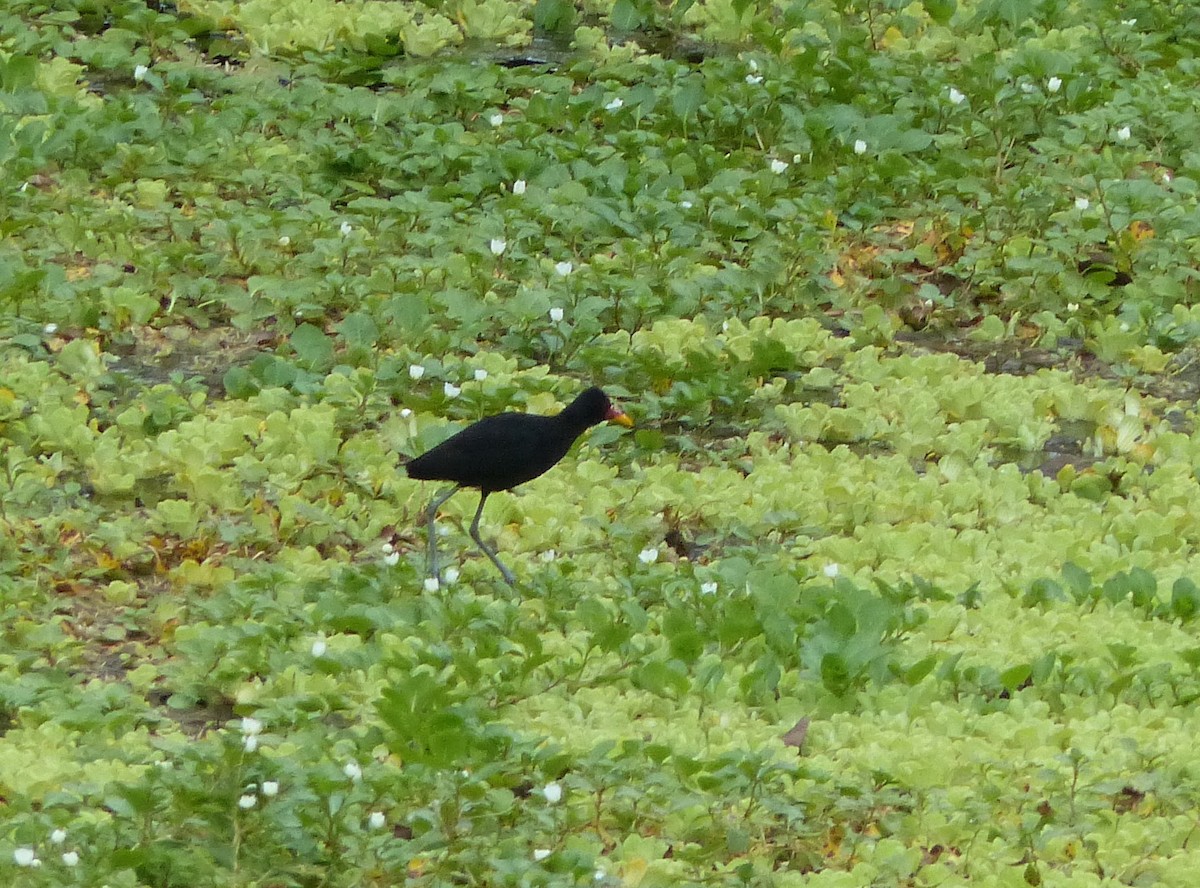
{"points": [[431, 527], [504, 571]]}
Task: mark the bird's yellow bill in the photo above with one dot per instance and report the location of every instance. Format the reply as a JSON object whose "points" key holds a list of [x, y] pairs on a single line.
{"points": [[619, 417]]}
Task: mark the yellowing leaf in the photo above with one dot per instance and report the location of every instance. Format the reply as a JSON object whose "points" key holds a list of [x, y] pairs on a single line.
{"points": [[633, 871], [893, 38]]}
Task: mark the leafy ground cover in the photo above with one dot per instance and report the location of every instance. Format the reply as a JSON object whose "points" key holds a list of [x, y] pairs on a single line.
{"points": [[892, 585]]}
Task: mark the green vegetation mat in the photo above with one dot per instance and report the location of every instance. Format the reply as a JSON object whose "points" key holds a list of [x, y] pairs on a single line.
{"points": [[894, 584]]}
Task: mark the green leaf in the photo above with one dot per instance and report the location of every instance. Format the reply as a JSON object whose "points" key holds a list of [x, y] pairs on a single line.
{"points": [[1078, 580], [427, 721], [680, 629], [358, 329], [592, 615], [312, 347], [835, 674], [940, 10], [1014, 677], [737, 622], [1143, 588], [1124, 655], [1185, 599], [688, 97], [554, 16], [916, 673], [626, 15], [1043, 667], [661, 677], [17, 72], [239, 383], [737, 840]]}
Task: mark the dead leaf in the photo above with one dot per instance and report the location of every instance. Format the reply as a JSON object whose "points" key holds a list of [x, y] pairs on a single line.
{"points": [[797, 735]]}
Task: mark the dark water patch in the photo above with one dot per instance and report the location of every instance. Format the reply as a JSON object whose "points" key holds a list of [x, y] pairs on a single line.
{"points": [[1064, 448], [176, 353], [1178, 383], [1006, 357]]}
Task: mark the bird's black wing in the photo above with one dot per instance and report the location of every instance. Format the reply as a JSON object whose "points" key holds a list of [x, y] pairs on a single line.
{"points": [[496, 453]]}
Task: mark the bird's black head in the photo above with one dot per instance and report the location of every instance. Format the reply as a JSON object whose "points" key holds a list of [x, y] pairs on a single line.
{"points": [[594, 407]]}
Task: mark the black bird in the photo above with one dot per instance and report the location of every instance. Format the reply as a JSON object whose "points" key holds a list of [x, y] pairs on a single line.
{"points": [[499, 452]]}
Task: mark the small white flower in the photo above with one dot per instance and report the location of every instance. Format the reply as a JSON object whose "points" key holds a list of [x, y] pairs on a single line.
{"points": [[752, 64], [346, 229], [599, 875], [24, 857], [648, 556], [248, 801], [708, 588], [1082, 203], [480, 375], [615, 104], [285, 241], [685, 204], [548, 556], [518, 187], [956, 97], [556, 315], [251, 726], [58, 836], [754, 79], [779, 166], [860, 147], [70, 858], [1123, 134], [1129, 23], [353, 771], [1166, 178], [432, 584], [320, 646], [250, 742], [496, 119], [498, 246], [1028, 88], [415, 371], [376, 820], [541, 853], [451, 390], [553, 793], [140, 72], [832, 570], [1054, 84], [388, 547], [1072, 307], [405, 413], [451, 575], [50, 329], [562, 269], [270, 788]]}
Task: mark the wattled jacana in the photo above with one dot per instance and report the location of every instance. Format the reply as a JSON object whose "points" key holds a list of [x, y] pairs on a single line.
{"points": [[499, 452]]}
